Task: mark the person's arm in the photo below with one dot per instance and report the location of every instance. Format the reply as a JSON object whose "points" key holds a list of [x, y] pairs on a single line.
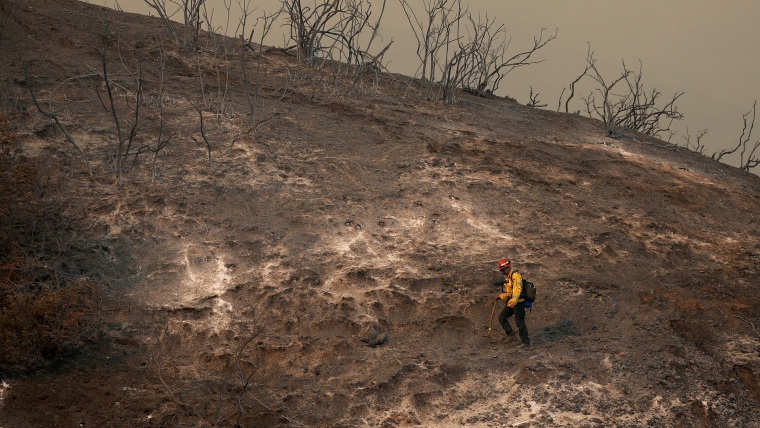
{"points": [[503, 296]]}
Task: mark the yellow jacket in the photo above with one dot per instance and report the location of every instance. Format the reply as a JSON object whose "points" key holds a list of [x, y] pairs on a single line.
{"points": [[513, 284]]}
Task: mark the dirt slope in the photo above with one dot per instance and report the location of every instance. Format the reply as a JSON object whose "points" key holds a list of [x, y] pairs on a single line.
{"points": [[240, 290]]}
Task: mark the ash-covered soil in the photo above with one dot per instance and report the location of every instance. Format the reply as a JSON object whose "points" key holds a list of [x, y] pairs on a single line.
{"points": [[253, 287]]}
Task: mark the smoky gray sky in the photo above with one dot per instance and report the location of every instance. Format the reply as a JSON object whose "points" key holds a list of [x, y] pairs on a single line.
{"points": [[705, 48]]}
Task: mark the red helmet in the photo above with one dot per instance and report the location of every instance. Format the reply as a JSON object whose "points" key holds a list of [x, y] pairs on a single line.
{"points": [[504, 264]]}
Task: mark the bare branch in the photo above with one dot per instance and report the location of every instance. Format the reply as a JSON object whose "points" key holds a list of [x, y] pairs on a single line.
{"points": [[698, 146], [534, 102], [160, 141], [633, 109], [308, 25], [745, 165], [158, 355], [203, 133], [500, 70], [471, 54], [111, 108], [590, 61], [191, 13], [743, 139], [160, 7], [58, 123]]}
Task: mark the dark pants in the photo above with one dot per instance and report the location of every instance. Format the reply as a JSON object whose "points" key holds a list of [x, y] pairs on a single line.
{"points": [[519, 312]]}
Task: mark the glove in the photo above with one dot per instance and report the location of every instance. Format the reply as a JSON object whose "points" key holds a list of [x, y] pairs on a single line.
{"points": [[498, 297]]}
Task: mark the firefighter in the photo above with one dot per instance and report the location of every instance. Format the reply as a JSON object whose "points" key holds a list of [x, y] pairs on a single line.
{"points": [[513, 285]]}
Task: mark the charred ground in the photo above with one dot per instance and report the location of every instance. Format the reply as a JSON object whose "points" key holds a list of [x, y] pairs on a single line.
{"points": [[239, 290]]}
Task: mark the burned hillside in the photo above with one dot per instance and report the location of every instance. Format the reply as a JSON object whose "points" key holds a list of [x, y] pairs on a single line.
{"points": [[332, 262]]}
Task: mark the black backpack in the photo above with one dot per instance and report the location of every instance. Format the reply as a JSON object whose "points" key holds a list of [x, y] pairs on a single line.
{"points": [[528, 293]]}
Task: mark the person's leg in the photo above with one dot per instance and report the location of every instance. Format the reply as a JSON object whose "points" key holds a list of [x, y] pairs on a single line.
{"points": [[503, 317], [522, 328]]}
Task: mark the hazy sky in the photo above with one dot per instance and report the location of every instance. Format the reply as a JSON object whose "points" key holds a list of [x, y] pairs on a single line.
{"points": [[705, 48]]}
